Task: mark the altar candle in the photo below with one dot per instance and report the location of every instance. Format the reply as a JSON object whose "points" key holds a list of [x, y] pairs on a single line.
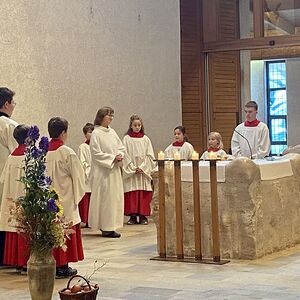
{"points": [[177, 155], [195, 155], [212, 155], [161, 155]]}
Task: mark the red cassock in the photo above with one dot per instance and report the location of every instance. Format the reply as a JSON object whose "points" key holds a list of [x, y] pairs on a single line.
{"points": [[84, 208], [137, 202], [74, 251], [16, 251]]}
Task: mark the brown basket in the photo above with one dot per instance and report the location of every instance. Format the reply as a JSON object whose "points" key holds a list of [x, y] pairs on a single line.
{"points": [[89, 295]]}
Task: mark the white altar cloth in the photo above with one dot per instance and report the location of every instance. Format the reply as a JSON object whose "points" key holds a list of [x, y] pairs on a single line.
{"points": [[269, 170]]}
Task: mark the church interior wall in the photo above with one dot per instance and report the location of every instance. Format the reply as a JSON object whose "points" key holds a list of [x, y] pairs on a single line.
{"points": [[69, 58]]}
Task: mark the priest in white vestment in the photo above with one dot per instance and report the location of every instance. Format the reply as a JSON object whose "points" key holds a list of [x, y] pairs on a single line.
{"points": [[251, 138], [107, 198]]}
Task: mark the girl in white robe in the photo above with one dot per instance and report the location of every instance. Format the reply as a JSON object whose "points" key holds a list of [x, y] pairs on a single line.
{"points": [[180, 145], [214, 144], [137, 168], [107, 198], [66, 172], [84, 155]]}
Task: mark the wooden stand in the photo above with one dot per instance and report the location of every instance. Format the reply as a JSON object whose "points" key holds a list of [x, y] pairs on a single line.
{"points": [[162, 209], [197, 216]]}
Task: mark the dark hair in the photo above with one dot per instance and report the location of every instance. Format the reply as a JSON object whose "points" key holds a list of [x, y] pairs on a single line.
{"points": [[88, 127], [133, 118], [21, 133], [101, 113], [252, 104], [56, 126], [182, 129], [6, 95]]}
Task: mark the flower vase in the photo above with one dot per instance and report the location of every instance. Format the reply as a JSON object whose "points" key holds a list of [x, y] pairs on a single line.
{"points": [[41, 275]]}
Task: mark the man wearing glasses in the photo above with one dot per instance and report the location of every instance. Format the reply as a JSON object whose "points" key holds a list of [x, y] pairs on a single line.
{"points": [[251, 138]]}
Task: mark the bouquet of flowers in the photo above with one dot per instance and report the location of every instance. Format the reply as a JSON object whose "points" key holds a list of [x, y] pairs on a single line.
{"points": [[39, 213]]}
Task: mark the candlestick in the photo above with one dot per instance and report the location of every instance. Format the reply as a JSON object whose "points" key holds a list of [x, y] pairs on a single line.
{"points": [[161, 155], [195, 155], [212, 155], [177, 155]]}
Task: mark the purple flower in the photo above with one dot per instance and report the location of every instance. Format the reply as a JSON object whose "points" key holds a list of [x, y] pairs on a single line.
{"points": [[48, 180], [35, 152], [44, 144], [34, 133], [52, 205]]}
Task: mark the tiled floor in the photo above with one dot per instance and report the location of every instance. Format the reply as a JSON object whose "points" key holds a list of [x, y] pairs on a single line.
{"points": [[129, 274]]}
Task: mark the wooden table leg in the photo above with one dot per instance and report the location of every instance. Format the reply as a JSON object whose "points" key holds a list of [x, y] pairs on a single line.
{"points": [[162, 209], [214, 210], [178, 209], [197, 216]]}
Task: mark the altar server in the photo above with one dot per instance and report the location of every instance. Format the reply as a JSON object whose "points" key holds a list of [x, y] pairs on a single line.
{"points": [[107, 198], [251, 138], [7, 141], [84, 155], [16, 251], [137, 166], [66, 172], [180, 145], [214, 144]]}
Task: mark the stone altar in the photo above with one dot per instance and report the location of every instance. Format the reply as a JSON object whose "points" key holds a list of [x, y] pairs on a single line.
{"points": [[257, 217]]}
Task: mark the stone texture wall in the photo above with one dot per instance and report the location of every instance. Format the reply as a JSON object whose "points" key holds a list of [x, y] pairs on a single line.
{"points": [[69, 58], [256, 217]]}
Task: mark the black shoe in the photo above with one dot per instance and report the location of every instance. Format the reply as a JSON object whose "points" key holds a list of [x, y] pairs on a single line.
{"points": [[24, 271], [65, 272], [132, 220], [143, 220], [111, 234]]}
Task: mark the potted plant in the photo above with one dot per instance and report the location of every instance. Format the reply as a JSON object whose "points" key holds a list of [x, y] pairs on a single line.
{"points": [[38, 215]]}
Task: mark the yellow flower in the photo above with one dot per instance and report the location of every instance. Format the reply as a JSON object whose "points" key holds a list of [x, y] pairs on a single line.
{"points": [[60, 208]]}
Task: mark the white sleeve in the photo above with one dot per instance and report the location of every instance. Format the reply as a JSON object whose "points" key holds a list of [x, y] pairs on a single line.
{"points": [[235, 145], [264, 144]]}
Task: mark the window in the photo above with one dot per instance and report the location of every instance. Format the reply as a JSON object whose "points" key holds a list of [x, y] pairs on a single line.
{"points": [[277, 105]]}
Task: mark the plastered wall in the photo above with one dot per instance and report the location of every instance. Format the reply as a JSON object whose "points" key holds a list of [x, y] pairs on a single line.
{"points": [[69, 57]]}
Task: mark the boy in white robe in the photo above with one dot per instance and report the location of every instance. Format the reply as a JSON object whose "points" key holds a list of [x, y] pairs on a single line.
{"points": [[251, 138], [84, 155], [7, 141], [66, 172], [137, 168], [107, 198], [180, 145], [16, 251]]}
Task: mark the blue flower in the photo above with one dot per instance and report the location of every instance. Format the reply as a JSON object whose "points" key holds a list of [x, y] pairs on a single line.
{"points": [[34, 133], [52, 205], [44, 144]]}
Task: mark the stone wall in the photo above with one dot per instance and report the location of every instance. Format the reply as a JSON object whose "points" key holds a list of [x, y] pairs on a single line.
{"points": [[256, 217]]}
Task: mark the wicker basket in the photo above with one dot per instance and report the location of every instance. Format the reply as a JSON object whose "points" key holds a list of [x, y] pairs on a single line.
{"points": [[89, 295]]}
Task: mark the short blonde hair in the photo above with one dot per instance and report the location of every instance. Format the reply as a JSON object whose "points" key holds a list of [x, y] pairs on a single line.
{"points": [[218, 137]]}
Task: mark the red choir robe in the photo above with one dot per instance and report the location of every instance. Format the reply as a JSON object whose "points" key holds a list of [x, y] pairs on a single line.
{"points": [[66, 172], [85, 158], [16, 250], [137, 187]]}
